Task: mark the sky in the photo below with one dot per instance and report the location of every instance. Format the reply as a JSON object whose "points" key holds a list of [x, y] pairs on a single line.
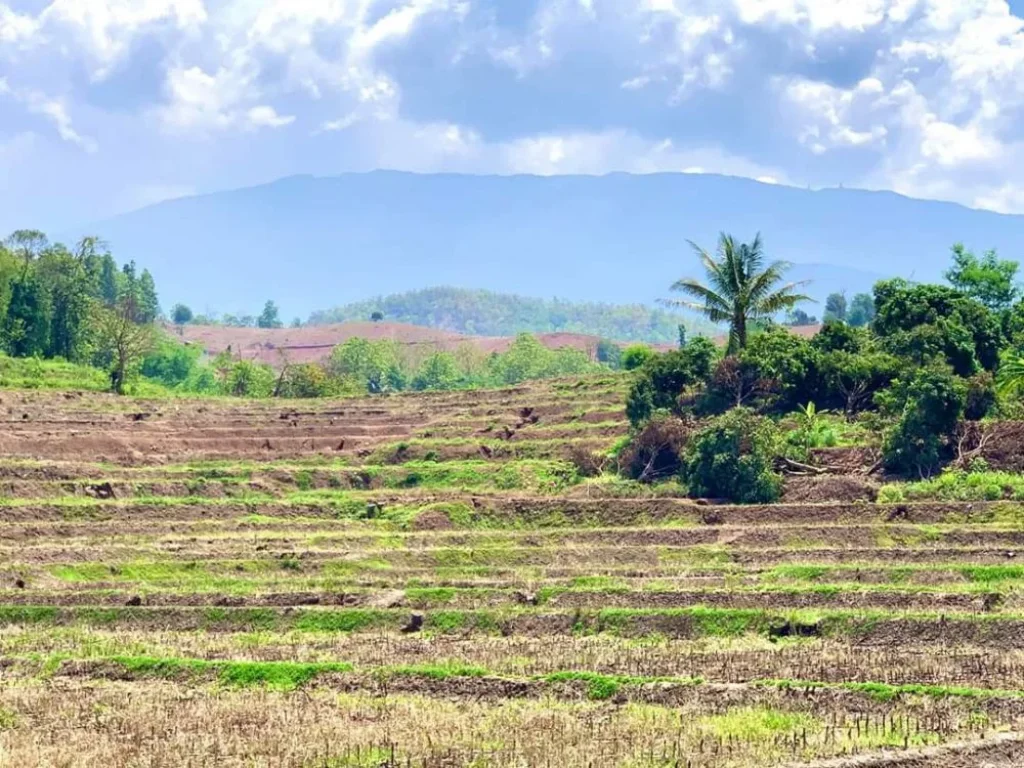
{"points": [[110, 105]]}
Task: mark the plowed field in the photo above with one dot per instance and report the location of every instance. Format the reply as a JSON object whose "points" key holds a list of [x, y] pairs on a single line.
{"points": [[425, 580]]}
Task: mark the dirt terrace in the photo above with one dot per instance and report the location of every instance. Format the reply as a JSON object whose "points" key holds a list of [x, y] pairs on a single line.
{"points": [[279, 584]]}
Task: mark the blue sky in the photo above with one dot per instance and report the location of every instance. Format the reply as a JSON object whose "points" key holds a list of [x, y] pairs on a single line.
{"points": [[108, 105]]}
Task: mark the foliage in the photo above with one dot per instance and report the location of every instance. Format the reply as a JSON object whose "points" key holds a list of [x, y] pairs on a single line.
{"points": [[927, 406], [373, 366], [269, 317], [181, 314], [861, 311], [635, 356], [837, 336], [990, 280], [741, 289], [439, 371], [655, 450], [733, 458], [850, 380], [170, 362], [813, 430], [609, 353], [527, 358], [928, 322], [486, 313], [246, 378], [663, 378], [305, 380], [798, 318], [835, 307]]}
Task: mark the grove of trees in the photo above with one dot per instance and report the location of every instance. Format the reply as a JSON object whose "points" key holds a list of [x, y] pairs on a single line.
{"points": [[912, 362]]}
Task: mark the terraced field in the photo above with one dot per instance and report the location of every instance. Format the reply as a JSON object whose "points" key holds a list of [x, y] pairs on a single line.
{"points": [[427, 581]]}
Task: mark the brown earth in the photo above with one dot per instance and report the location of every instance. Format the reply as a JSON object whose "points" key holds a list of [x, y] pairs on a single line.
{"points": [[314, 343]]}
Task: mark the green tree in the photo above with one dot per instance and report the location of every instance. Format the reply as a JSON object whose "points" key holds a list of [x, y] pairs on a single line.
{"points": [[989, 279], [269, 318], [635, 356], [110, 280], [741, 288], [835, 307], [65, 279], [439, 371], [928, 322], [125, 341], [799, 317], [928, 404], [149, 303], [26, 327], [181, 314], [372, 366], [27, 244], [862, 310]]}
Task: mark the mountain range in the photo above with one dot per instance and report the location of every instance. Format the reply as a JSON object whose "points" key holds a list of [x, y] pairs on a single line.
{"points": [[314, 243]]}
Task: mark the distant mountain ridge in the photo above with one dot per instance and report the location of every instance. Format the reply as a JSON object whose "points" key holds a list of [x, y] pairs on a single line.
{"points": [[310, 243], [487, 313]]}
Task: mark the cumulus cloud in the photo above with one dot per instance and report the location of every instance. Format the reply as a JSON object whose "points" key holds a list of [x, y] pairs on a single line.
{"points": [[920, 96]]}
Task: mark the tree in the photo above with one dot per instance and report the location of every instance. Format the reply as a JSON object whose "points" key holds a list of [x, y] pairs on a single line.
{"points": [[110, 280], [798, 318], [835, 307], [126, 341], [27, 244], [377, 316], [373, 366], [862, 310], [928, 322], [929, 405], [741, 289], [269, 318], [149, 304], [990, 280], [440, 371], [635, 356], [181, 314]]}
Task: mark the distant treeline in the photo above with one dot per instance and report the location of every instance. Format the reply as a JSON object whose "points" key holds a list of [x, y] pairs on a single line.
{"points": [[486, 313]]}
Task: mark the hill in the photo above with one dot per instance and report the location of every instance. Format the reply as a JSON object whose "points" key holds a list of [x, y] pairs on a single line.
{"points": [[314, 343], [487, 313], [311, 243]]}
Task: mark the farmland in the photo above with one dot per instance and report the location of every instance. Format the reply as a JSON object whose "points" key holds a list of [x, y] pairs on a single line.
{"points": [[439, 580]]}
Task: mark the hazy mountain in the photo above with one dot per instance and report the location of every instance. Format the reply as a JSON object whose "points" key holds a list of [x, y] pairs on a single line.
{"points": [[315, 243]]}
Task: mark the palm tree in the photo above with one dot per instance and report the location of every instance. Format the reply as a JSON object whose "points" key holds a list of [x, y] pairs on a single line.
{"points": [[740, 288], [1010, 380]]}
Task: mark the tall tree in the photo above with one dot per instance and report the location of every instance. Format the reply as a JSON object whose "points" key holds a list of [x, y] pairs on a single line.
{"points": [[835, 307], [269, 318], [64, 277], [125, 341], [989, 279], [110, 280], [27, 244], [741, 288], [149, 304]]}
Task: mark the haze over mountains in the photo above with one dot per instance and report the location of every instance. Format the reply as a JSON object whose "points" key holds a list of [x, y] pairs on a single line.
{"points": [[314, 243]]}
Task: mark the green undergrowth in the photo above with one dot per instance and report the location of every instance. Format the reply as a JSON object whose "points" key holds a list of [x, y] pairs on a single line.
{"points": [[287, 675], [958, 485], [697, 621]]}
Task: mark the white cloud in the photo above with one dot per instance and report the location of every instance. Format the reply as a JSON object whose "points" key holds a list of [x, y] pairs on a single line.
{"points": [[103, 30], [265, 116]]}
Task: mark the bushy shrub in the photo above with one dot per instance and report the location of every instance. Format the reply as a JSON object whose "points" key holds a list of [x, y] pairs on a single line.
{"points": [[635, 356], [733, 458], [439, 371], [928, 406], [306, 380], [171, 362], [247, 378], [640, 401], [655, 451]]}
